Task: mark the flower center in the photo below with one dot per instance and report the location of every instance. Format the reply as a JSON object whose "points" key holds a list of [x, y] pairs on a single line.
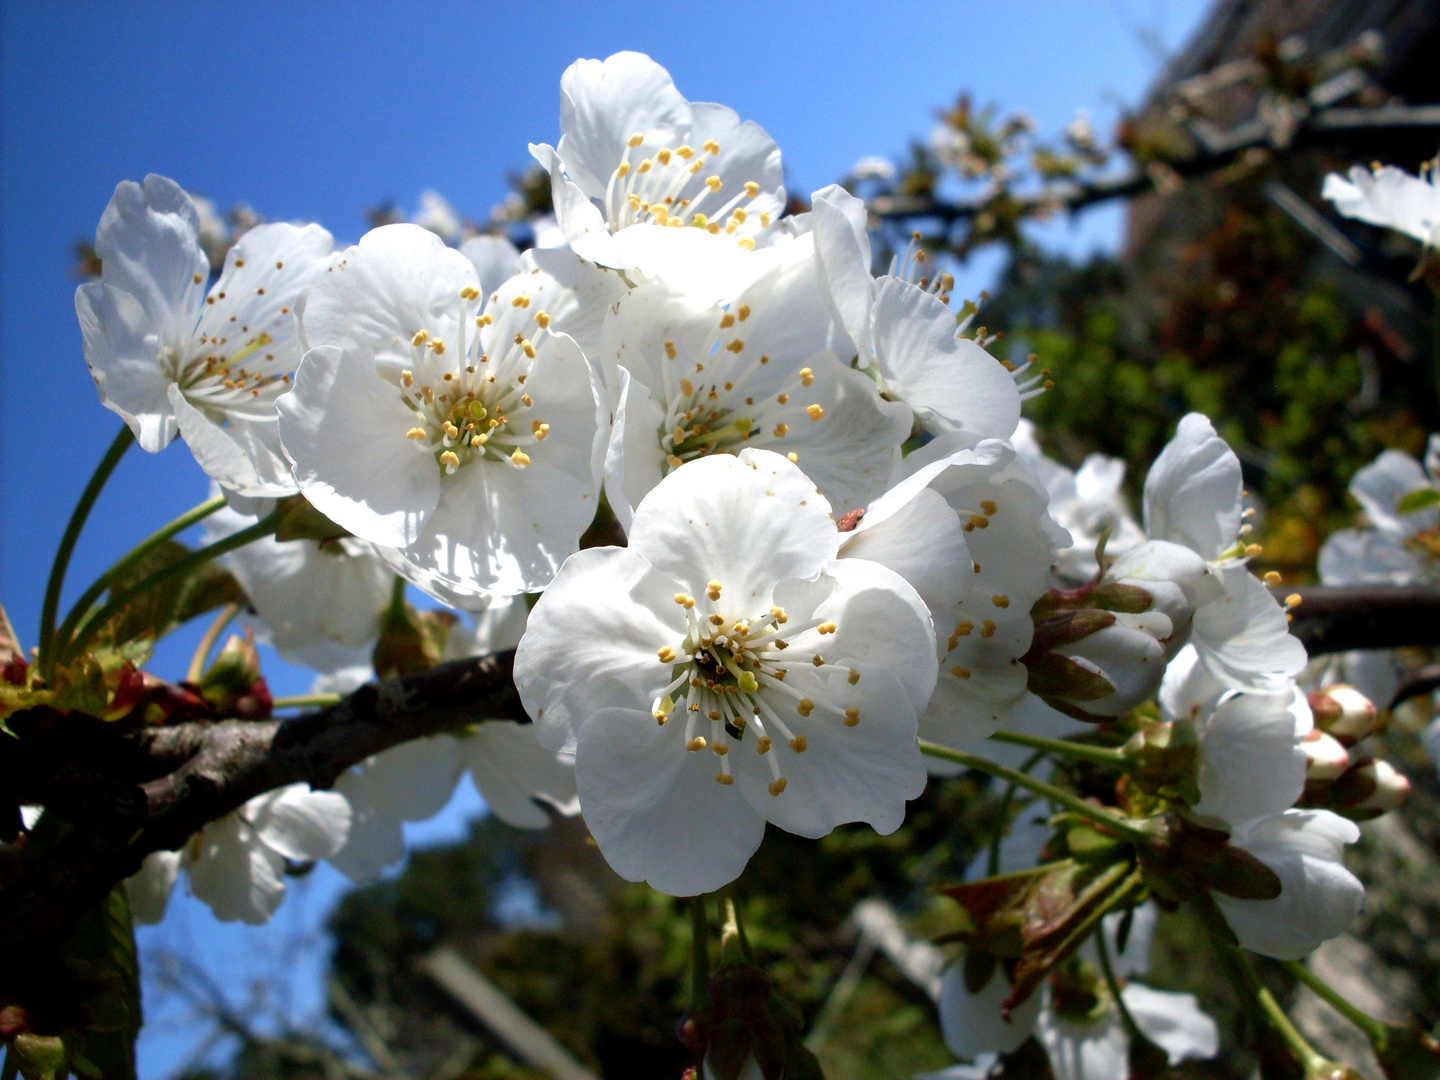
{"points": [[224, 380], [470, 405], [666, 188], [728, 676]]}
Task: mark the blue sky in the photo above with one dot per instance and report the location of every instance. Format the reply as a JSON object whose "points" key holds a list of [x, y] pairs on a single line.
{"points": [[320, 110]]}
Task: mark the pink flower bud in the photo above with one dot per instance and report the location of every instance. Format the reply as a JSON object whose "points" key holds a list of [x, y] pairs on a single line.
{"points": [[1325, 759], [1388, 789], [1343, 712]]}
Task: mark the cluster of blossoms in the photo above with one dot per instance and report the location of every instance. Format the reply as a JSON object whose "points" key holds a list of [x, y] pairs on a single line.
{"points": [[842, 545]]}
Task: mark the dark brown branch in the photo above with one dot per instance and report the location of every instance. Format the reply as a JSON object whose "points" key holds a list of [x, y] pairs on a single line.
{"points": [[174, 780], [1319, 128], [1336, 618]]}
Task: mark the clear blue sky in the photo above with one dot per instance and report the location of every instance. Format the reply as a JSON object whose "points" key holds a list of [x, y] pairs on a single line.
{"points": [[319, 110]]}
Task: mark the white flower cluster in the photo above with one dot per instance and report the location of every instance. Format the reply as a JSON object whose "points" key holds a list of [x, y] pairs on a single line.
{"points": [[798, 599]]}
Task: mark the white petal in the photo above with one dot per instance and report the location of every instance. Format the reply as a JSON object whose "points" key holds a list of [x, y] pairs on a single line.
{"points": [[1369, 556], [149, 889], [581, 296], [951, 383], [1243, 637], [344, 428], [567, 667], [1319, 897], [1192, 493], [376, 841], [120, 348], [1251, 762], [227, 867], [243, 455], [971, 1023], [1081, 1050], [495, 259], [842, 246], [655, 808], [511, 770], [265, 274], [634, 459], [301, 824], [1380, 486], [746, 522], [409, 782], [1174, 1022], [1388, 197]]}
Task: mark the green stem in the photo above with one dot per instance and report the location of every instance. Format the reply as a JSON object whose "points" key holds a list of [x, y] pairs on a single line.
{"points": [[1101, 755], [1375, 1030], [1311, 1060], [1128, 1020], [699, 955], [51, 606], [119, 602], [196, 671], [306, 701], [1099, 815], [1002, 818], [87, 601], [735, 925]]}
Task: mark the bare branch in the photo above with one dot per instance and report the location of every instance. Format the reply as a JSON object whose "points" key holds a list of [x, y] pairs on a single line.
{"points": [[1337, 618], [166, 783]]}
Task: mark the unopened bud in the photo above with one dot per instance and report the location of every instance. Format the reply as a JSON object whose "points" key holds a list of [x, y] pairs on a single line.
{"points": [[1344, 713], [1325, 759], [1370, 788], [1129, 656]]}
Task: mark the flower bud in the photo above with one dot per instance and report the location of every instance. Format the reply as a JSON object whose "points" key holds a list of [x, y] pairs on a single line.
{"points": [[1344, 713], [1325, 759], [1370, 788], [232, 684], [1128, 657]]}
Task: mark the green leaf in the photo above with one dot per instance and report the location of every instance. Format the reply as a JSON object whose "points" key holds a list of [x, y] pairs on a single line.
{"points": [[171, 603], [99, 958], [1419, 499]]}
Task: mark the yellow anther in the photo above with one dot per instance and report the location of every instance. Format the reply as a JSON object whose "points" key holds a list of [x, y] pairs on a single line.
{"points": [[818, 660], [421, 336], [726, 321], [539, 430], [987, 629], [806, 376], [815, 412], [451, 431], [781, 430], [663, 156], [635, 203], [782, 398], [543, 319], [678, 434], [1272, 577], [699, 220], [805, 707], [739, 215], [827, 628], [763, 744], [712, 590], [683, 599], [527, 399], [644, 166], [960, 672], [450, 459], [636, 139], [713, 183], [717, 620], [666, 654], [623, 169], [407, 377], [778, 614], [798, 744], [438, 345], [963, 629], [987, 506], [714, 714], [853, 677], [852, 716], [794, 457], [777, 785], [416, 433], [746, 242], [752, 188], [697, 743], [660, 717], [479, 440], [710, 146], [687, 388], [673, 461], [484, 320], [1000, 600], [670, 350], [1293, 600], [684, 152], [528, 349], [724, 779], [736, 345], [1253, 549], [519, 457]]}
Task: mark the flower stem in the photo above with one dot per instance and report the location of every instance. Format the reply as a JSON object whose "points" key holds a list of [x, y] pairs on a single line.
{"points": [[305, 701], [118, 603], [51, 606], [1099, 815], [196, 671], [734, 929], [1002, 818], [699, 954], [82, 606], [1131, 1027], [1101, 755], [1375, 1030]]}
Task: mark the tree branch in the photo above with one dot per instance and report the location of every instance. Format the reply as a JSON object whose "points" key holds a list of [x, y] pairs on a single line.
{"points": [[1336, 618], [1321, 127], [173, 780]]}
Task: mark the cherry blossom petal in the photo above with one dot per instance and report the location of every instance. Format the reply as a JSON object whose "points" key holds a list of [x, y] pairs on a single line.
{"points": [[1192, 492]]}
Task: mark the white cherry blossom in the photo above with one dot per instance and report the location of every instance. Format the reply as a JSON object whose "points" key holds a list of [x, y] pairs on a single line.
{"points": [[320, 602], [690, 379], [1390, 197], [980, 569], [726, 670], [905, 333], [635, 158], [236, 864], [170, 358], [1319, 898], [463, 432]]}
